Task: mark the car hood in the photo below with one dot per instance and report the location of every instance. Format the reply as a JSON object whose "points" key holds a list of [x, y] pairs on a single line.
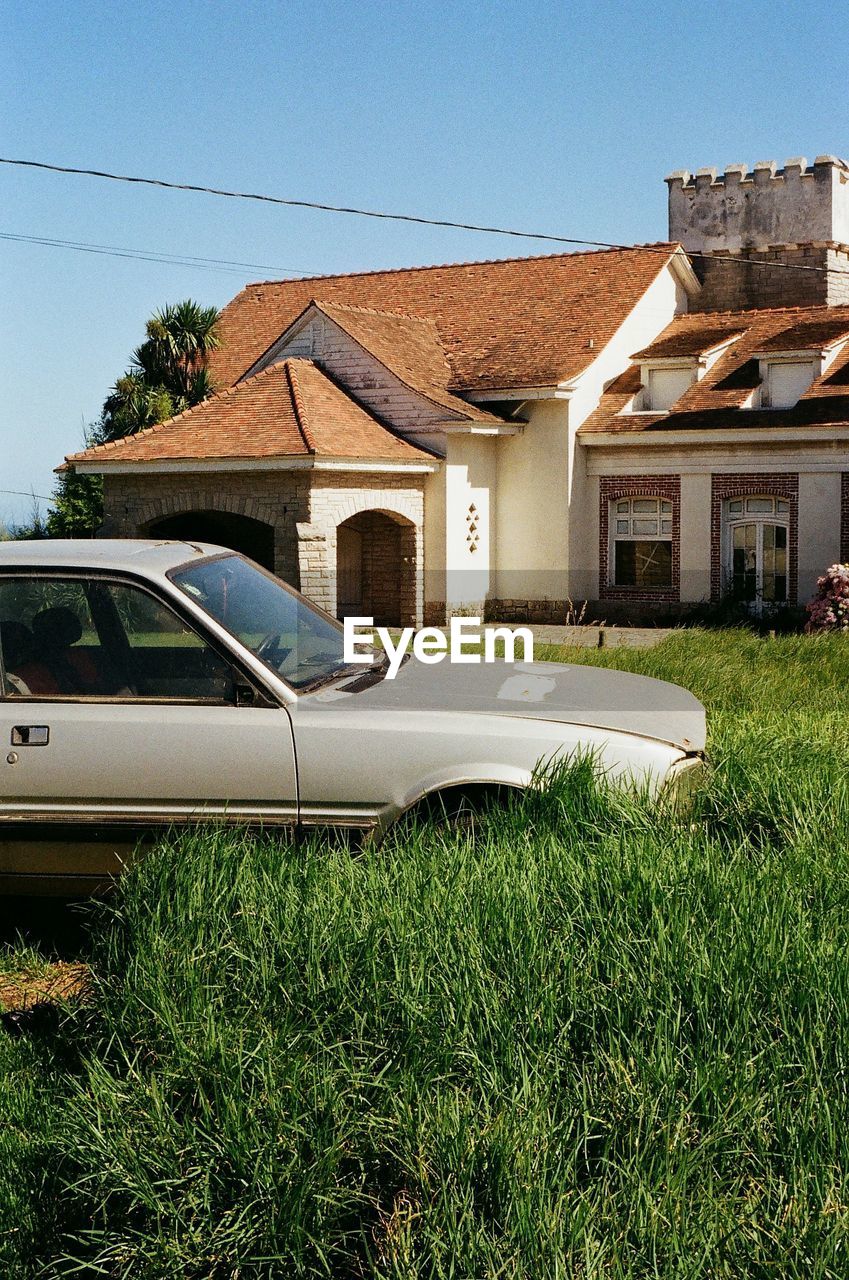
{"points": [[565, 693]]}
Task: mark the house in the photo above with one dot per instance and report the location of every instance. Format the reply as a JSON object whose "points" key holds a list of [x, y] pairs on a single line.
{"points": [[644, 428]]}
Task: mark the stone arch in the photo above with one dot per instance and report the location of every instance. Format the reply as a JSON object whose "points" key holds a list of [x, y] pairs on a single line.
{"points": [[377, 567], [253, 538]]}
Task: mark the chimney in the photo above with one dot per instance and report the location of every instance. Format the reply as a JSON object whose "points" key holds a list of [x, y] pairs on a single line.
{"points": [[767, 220]]}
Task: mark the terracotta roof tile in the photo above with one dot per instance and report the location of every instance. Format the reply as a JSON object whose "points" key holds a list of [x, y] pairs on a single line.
{"points": [[809, 335], [409, 347], [515, 322], [688, 341], [716, 400], [291, 409]]}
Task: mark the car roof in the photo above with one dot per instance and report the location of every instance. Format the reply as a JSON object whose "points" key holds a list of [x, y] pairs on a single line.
{"points": [[133, 555]]}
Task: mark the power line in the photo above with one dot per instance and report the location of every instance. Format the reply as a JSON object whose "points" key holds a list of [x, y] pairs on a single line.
{"points": [[394, 217], [18, 493], [152, 255]]}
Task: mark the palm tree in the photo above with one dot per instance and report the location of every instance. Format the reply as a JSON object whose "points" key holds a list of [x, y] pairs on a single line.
{"points": [[168, 372], [180, 340]]}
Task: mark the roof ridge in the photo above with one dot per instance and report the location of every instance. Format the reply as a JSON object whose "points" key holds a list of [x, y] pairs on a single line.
{"points": [[373, 311], [761, 311], [298, 403], [472, 262]]}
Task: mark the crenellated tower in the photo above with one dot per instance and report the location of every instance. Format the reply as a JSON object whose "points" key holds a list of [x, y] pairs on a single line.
{"points": [[796, 216]]}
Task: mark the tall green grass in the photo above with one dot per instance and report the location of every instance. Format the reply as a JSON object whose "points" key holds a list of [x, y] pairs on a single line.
{"points": [[582, 1042]]}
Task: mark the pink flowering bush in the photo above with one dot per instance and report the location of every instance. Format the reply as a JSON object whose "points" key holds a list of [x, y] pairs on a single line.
{"points": [[829, 609]]}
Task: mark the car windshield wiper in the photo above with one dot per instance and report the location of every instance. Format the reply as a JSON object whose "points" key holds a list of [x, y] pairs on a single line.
{"points": [[326, 677], [373, 674]]}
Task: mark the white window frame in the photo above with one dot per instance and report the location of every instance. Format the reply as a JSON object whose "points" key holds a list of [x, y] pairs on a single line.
{"points": [[742, 510], [622, 511]]}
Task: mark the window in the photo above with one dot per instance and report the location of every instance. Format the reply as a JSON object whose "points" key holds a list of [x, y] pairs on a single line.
{"points": [[89, 637], [641, 542], [298, 642], [757, 537], [665, 386], [785, 382]]}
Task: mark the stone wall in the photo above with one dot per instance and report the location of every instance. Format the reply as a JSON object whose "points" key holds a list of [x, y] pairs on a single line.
{"points": [[303, 508], [132, 503], [336, 497], [767, 205]]}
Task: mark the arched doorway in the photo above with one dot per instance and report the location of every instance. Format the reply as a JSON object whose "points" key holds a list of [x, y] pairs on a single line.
{"points": [[251, 537], [375, 568]]}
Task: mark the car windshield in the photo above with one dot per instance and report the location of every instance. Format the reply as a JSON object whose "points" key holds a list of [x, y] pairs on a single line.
{"points": [[296, 640]]}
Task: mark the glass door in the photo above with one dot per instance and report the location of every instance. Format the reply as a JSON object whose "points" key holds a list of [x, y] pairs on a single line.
{"points": [[759, 562]]}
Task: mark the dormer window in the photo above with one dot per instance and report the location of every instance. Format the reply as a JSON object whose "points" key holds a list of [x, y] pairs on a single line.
{"points": [[674, 361], [792, 360], [784, 382], [665, 386]]}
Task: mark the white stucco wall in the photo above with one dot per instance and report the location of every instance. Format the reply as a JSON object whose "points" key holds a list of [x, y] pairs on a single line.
{"points": [[533, 495], [582, 581], [665, 298], [695, 536], [819, 527], [434, 538], [470, 481], [545, 529]]}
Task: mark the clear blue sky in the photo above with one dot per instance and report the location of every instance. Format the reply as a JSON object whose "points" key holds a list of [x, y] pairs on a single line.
{"points": [[557, 117]]}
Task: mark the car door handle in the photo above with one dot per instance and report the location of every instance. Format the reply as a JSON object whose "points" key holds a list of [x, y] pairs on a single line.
{"points": [[30, 735]]}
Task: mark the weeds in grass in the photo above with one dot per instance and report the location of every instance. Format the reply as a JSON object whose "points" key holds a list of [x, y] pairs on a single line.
{"points": [[581, 1041]]}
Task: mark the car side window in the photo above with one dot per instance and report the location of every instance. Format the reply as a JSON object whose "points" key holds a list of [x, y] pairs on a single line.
{"points": [[90, 638]]}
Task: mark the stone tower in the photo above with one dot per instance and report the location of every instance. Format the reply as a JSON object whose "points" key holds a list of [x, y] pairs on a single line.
{"points": [[796, 217]]}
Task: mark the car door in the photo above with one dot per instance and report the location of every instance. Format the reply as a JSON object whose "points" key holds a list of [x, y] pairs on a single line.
{"points": [[119, 718]]}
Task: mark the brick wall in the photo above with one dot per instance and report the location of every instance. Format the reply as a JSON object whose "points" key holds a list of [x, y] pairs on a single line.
{"points": [[844, 518], [387, 567], [611, 489], [746, 485], [737, 280]]}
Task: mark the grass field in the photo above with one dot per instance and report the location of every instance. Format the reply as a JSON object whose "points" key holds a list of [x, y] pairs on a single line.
{"points": [[586, 1043]]}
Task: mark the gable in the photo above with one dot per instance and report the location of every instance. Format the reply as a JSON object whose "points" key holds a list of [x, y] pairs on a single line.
{"points": [[393, 364]]}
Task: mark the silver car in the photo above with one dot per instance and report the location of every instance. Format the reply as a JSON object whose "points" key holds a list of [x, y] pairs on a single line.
{"points": [[147, 684]]}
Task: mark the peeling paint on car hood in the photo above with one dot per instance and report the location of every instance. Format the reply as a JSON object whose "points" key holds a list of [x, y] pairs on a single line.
{"points": [[559, 692]]}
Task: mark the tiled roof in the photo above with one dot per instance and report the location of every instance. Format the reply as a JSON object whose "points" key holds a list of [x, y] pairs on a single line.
{"points": [[511, 323], [809, 335], [716, 400], [688, 341], [410, 348], [291, 409]]}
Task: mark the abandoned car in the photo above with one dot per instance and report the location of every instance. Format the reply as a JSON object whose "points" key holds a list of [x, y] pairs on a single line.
{"points": [[146, 684]]}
